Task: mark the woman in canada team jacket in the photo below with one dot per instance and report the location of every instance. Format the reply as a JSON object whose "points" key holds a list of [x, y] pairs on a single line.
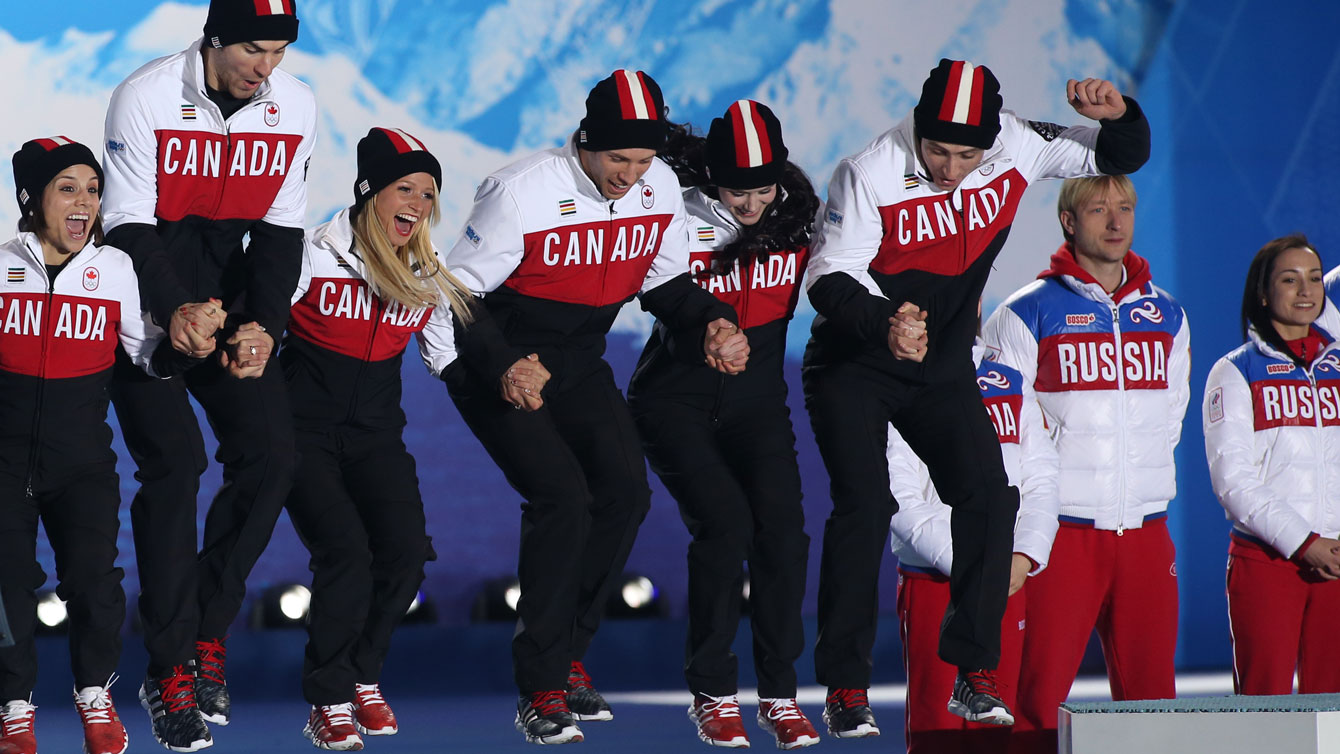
{"points": [[66, 303], [370, 280], [1272, 438], [723, 444]]}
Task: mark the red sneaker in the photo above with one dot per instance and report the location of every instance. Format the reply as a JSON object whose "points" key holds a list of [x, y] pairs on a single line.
{"points": [[103, 731], [784, 720], [718, 721], [372, 714], [332, 727], [16, 728]]}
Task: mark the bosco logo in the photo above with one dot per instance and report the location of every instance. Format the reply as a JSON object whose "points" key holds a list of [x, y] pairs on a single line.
{"points": [[1148, 311], [648, 197], [993, 379], [1279, 368], [1079, 320], [91, 279]]}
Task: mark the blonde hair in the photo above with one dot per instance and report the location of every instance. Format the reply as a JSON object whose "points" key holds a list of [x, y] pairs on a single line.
{"points": [[411, 274], [1076, 191]]}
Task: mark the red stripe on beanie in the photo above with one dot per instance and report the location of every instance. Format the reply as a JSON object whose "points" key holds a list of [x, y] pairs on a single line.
{"points": [[646, 98], [951, 91], [53, 142], [761, 129], [288, 7], [264, 8], [626, 109], [401, 145], [741, 138], [975, 98]]}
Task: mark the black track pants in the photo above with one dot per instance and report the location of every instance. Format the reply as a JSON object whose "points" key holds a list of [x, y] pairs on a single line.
{"points": [[578, 466], [738, 487], [80, 519], [850, 407], [254, 427], [356, 506]]}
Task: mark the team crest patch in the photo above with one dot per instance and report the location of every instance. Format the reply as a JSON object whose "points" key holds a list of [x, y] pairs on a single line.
{"points": [[909, 180], [342, 263], [1048, 131], [16, 274], [707, 234], [567, 207], [91, 278], [1147, 311], [472, 236], [23, 196], [272, 114], [115, 146], [363, 187], [1079, 320], [188, 112], [992, 379], [834, 218], [987, 169], [648, 197], [1216, 412]]}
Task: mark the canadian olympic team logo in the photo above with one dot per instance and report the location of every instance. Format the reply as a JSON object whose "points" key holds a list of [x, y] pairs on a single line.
{"points": [[272, 115], [993, 379], [1147, 311], [648, 197], [91, 279]]}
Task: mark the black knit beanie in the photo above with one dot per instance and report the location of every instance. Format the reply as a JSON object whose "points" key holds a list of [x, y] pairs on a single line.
{"points": [[385, 156], [624, 111], [960, 104], [233, 21], [40, 160], [744, 147]]}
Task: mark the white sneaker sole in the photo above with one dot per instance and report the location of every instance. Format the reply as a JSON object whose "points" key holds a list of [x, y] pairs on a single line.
{"points": [[771, 729], [739, 742], [219, 720], [376, 731], [994, 716], [599, 717]]}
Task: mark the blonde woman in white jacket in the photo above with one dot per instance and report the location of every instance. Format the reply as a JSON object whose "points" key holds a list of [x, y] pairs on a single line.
{"points": [[1272, 438]]}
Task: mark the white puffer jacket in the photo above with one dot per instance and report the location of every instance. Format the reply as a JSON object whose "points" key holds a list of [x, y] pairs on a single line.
{"points": [[1112, 380], [1272, 439]]}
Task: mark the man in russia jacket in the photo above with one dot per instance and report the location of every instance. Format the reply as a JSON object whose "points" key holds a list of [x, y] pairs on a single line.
{"points": [[1108, 354]]}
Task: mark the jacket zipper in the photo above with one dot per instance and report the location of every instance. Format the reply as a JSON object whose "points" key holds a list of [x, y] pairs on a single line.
{"points": [[378, 312], [1121, 404], [41, 380]]}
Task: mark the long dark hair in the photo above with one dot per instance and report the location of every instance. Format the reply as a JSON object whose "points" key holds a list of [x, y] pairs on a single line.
{"points": [[786, 224], [1256, 292]]}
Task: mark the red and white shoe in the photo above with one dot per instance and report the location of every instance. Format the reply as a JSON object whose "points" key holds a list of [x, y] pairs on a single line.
{"points": [[16, 728], [332, 727], [372, 714], [103, 731], [718, 721], [784, 720]]}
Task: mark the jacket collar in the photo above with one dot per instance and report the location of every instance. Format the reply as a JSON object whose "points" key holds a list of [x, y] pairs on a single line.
{"points": [[1254, 337], [1135, 277], [906, 132], [34, 248], [337, 237], [193, 79]]}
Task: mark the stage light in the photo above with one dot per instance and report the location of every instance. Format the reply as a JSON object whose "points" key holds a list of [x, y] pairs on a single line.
{"points": [[636, 597], [282, 606], [746, 607], [497, 600], [421, 610], [52, 617]]}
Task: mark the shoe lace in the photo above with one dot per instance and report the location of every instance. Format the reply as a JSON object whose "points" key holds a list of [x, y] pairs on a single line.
{"points": [[848, 698], [95, 703], [578, 678], [369, 694], [718, 706], [212, 654], [982, 682], [546, 703], [177, 689], [778, 710], [16, 717], [338, 714]]}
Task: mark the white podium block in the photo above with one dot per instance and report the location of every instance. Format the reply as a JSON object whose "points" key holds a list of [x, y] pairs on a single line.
{"points": [[1298, 724]]}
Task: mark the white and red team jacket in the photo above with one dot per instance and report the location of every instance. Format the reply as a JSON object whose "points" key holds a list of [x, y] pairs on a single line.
{"points": [[763, 294], [887, 235], [184, 186], [58, 342], [1112, 378], [555, 260], [1272, 439], [921, 535], [342, 356]]}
